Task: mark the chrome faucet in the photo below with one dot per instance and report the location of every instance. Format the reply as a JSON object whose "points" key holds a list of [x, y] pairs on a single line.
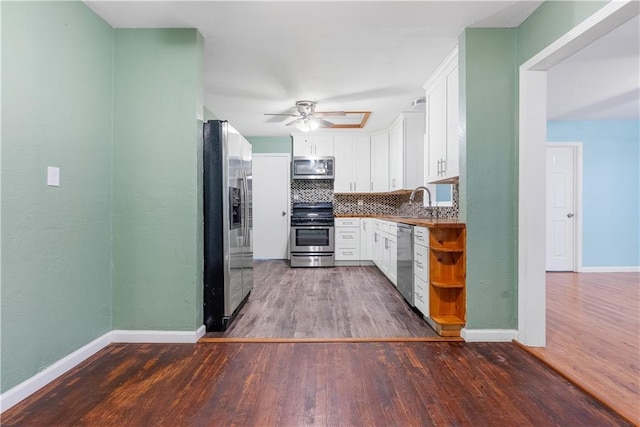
{"points": [[413, 194]]}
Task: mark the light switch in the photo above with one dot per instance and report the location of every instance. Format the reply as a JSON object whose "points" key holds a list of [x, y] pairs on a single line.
{"points": [[360, 202], [53, 176]]}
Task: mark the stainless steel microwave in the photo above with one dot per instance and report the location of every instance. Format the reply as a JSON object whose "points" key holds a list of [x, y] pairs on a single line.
{"points": [[312, 168]]}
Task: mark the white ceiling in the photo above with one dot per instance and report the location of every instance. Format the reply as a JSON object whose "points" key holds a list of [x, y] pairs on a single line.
{"points": [[601, 81], [261, 57]]}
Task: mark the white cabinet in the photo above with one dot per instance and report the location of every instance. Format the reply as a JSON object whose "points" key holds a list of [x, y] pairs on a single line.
{"points": [[421, 269], [353, 164], [385, 254], [406, 151], [347, 240], [378, 243], [366, 240], [442, 135], [313, 145], [380, 162]]}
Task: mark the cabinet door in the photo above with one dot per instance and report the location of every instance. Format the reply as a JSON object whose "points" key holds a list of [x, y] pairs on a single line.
{"points": [[421, 295], [362, 163], [452, 161], [393, 262], [366, 239], [435, 132], [302, 145], [380, 162], [396, 137], [343, 153], [377, 249], [323, 145]]}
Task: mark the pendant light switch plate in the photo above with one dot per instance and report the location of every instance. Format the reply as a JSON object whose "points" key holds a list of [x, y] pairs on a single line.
{"points": [[53, 176]]}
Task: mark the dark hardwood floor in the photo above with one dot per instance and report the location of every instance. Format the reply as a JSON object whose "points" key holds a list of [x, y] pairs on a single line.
{"points": [[310, 303], [296, 384], [593, 335]]}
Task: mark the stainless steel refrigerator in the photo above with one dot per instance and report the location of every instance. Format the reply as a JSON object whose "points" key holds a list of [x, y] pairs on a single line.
{"points": [[228, 248]]}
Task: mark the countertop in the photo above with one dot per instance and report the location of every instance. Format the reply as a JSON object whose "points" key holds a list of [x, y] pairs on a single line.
{"points": [[423, 222]]}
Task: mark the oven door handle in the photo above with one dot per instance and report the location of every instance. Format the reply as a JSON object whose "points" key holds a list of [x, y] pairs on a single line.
{"points": [[312, 227]]}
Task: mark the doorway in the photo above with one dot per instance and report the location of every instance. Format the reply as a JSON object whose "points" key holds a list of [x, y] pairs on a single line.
{"points": [[532, 155]]}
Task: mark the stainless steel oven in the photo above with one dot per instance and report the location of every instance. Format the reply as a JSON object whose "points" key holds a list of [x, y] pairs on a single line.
{"points": [[312, 235]]}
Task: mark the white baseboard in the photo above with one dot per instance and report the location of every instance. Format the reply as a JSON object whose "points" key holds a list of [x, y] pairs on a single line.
{"points": [[39, 380], [488, 335], [610, 269], [26, 388], [176, 337]]}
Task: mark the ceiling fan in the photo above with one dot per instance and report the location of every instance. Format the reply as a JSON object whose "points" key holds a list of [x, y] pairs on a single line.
{"points": [[307, 118]]}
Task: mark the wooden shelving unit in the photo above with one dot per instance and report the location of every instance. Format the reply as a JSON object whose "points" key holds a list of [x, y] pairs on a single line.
{"points": [[447, 279]]}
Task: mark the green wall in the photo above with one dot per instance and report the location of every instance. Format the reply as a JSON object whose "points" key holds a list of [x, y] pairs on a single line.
{"points": [[271, 144], [56, 241], [157, 248], [489, 63], [489, 177]]}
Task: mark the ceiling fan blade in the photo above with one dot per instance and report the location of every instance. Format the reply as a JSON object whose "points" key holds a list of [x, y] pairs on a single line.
{"points": [[293, 122], [280, 114], [323, 123], [330, 113]]}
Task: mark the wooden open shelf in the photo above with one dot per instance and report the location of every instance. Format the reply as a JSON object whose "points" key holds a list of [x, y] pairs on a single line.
{"points": [[447, 279], [450, 284]]}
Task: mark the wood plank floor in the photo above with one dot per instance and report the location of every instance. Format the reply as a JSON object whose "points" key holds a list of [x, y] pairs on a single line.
{"points": [[593, 335], [341, 302], [325, 384]]}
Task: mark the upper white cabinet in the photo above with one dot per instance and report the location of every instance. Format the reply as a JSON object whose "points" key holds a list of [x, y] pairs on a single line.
{"points": [[441, 138], [313, 145], [406, 151], [353, 164], [380, 162]]}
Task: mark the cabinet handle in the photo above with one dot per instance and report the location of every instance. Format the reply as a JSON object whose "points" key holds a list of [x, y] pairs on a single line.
{"points": [[364, 226], [355, 186], [351, 186], [386, 243], [347, 236], [444, 166]]}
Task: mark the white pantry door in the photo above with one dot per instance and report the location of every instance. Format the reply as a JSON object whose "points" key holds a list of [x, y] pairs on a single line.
{"points": [[561, 208], [271, 188]]}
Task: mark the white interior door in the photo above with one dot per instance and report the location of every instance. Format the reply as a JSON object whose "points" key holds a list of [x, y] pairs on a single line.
{"points": [[561, 208], [271, 189]]}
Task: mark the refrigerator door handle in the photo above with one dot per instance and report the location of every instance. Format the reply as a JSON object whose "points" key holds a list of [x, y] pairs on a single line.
{"points": [[245, 219]]}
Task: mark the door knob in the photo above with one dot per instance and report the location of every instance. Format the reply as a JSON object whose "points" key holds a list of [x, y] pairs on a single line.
{"points": [[283, 213], [569, 215]]}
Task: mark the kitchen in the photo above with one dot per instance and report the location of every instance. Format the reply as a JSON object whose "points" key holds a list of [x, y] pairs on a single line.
{"points": [[327, 169]]}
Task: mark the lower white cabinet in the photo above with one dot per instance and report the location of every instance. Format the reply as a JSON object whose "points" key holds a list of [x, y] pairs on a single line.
{"points": [[421, 269], [385, 248], [347, 240], [366, 240]]}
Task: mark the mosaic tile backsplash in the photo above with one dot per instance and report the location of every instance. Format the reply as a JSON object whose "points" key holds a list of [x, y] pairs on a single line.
{"points": [[372, 204]]}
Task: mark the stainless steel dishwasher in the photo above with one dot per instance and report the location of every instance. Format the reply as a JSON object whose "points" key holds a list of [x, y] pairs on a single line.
{"points": [[405, 262]]}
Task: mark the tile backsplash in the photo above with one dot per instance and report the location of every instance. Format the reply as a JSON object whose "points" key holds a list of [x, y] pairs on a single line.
{"points": [[372, 204]]}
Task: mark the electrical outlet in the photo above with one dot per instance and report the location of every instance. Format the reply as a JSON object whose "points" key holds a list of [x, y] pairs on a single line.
{"points": [[360, 202]]}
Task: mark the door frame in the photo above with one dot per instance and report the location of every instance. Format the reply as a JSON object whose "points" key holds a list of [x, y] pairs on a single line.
{"points": [[288, 208], [577, 150], [532, 120]]}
